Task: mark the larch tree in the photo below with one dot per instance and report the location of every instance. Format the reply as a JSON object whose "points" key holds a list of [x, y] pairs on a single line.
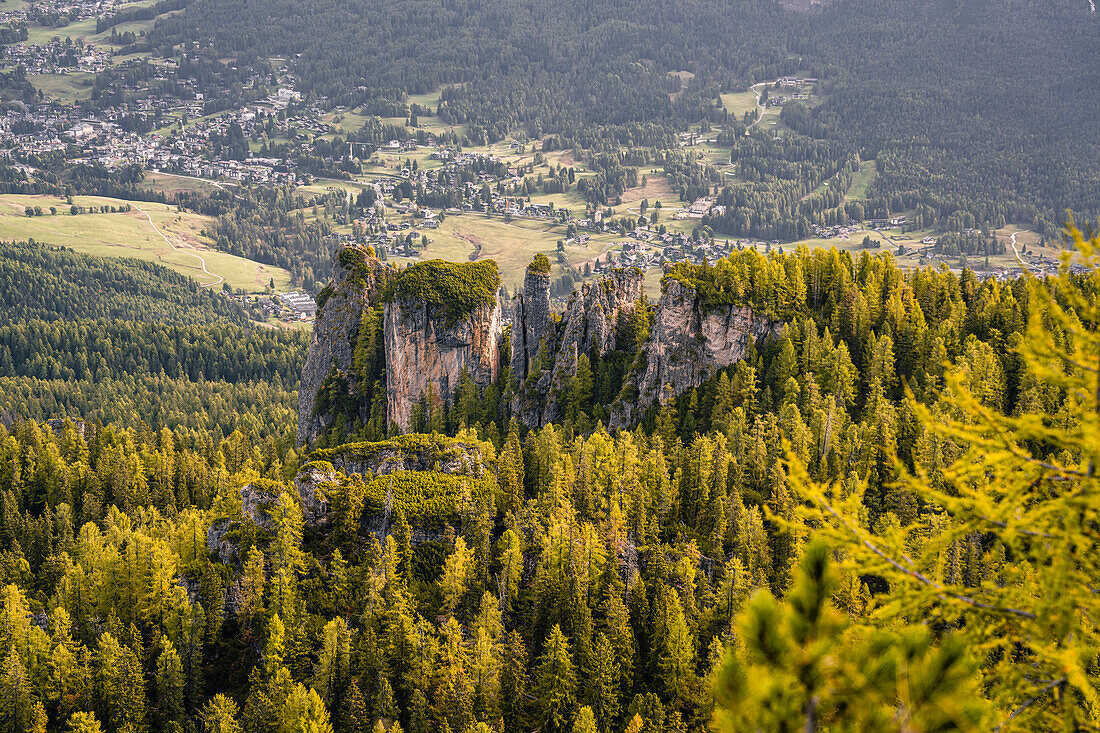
{"points": [[1002, 546], [556, 680]]}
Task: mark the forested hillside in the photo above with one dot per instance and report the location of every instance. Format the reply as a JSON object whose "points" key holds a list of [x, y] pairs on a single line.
{"points": [[978, 108], [57, 284], [981, 107], [135, 344], [887, 460]]}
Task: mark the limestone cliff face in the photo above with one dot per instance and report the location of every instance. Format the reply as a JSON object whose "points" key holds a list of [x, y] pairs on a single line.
{"points": [[689, 343], [423, 350], [531, 322], [445, 318], [357, 277], [589, 325], [426, 353]]}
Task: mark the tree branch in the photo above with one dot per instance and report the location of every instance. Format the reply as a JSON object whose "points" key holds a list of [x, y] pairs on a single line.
{"points": [[1030, 702], [921, 578]]}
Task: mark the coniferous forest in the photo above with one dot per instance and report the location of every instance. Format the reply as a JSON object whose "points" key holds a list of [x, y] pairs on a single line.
{"points": [[882, 519], [877, 508]]}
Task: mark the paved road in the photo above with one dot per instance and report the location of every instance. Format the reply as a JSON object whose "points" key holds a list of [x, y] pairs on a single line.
{"points": [[168, 241]]}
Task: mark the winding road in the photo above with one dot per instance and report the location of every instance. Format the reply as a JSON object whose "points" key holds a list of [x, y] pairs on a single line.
{"points": [[1017, 252], [759, 106], [168, 241]]}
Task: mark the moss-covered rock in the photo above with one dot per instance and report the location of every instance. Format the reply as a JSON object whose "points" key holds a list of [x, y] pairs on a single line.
{"points": [[455, 288]]}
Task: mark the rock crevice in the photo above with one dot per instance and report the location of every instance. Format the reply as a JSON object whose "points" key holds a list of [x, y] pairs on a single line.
{"points": [[357, 278]]}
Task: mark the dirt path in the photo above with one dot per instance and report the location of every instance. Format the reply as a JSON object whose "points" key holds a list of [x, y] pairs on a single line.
{"points": [[168, 241], [1017, 252], [759, 106]]}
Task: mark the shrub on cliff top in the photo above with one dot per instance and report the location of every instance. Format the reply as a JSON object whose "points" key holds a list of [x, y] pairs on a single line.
{"points": [[455, 287], [774, 285], [423, 496], [431, 448], [541, 264], [360, 264]]}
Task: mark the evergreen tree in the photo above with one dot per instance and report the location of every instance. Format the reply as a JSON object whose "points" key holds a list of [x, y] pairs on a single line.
{"points": [[556, 680], [220, 715], [800, 670]]}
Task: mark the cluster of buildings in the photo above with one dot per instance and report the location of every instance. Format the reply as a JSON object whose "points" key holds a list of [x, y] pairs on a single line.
{"points": [[71, 10], [55, 57], [295, 305], [649, 248], [699, 209], [837, 231], [122, 134], [891, 223], [464, 180]]}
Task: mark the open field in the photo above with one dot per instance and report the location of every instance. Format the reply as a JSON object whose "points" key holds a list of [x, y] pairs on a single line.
{"points": [[653, 283], [130, 234], [323, 185], [346, 121], [656, 189], [738, 103], [513, 245], [393, 161], [81, 29], [854, 242], [862, 180], [770, 120], [429, 100], [65, 88], [134, 26], [571, 199], [171, 183], [86, 29], [430, 123]]}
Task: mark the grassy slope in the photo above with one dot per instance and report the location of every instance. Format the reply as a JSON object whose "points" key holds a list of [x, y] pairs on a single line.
{"points": [[862, 181], [130, 235]]}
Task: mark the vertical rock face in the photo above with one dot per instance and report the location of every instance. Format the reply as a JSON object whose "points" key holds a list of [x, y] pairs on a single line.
{"points": [[426, 353], [531, 321], [445, 318], [355, 283], [689, 343], [442, 318], [592, 313], [589, 324]]}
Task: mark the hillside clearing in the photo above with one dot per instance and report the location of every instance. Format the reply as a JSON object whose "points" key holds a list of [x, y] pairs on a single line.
{"points": [[129, 234]]}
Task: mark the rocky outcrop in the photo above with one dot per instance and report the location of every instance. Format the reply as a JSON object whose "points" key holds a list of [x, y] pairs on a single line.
{"points": [[312, 486], [404, 453], [689, 343], [588, 326], [532, 322], [357, 277], [441, 320], [426, 353], [592, 314]]}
